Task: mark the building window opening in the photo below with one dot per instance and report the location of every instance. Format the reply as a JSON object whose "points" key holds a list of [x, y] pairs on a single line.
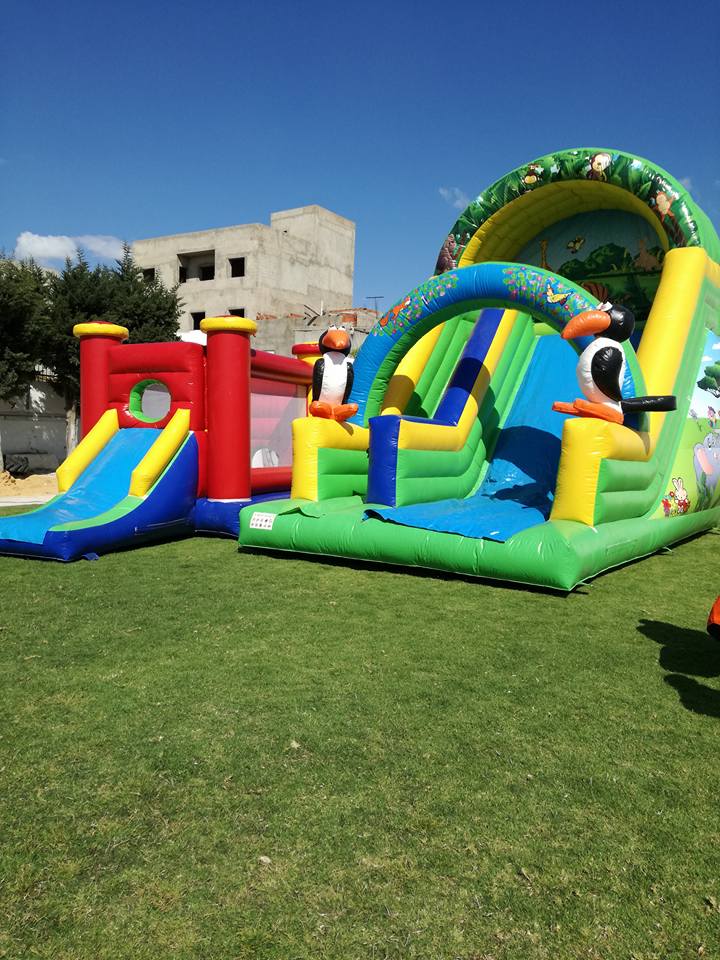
{"points": [[237, 266], [149, 274], [196, 266], [237, 312], [197, 318]]}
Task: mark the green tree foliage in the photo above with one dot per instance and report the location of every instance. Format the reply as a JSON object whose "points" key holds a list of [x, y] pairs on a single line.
{"points": [[24, 308], [79, 294], [121, 295], [148, 309], [38, 312]]}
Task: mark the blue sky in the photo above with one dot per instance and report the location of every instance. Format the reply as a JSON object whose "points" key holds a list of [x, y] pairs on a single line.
{"points": [[132, 119]]}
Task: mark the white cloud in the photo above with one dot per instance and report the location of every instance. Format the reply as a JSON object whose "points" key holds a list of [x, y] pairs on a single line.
{"points": [[44, 248], [687, 182], [104, 247], [705, 359], [716, 346], [58, 247], [454, 196]]}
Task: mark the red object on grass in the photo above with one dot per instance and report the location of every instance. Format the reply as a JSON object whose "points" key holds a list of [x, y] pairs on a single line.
{"points": [[713, 624]]}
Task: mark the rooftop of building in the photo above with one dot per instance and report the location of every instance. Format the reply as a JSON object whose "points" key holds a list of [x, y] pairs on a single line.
{"points": [[278, 214]]}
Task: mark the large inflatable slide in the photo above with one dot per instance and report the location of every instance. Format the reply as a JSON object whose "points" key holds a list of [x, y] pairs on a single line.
{"points": [[456, 459]]}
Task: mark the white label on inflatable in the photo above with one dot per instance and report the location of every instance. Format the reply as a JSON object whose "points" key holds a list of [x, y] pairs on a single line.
{"points": [[262, 521]]}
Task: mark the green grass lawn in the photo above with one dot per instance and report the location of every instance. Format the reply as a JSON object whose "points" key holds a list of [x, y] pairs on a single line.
{"points": [[215, 756]]}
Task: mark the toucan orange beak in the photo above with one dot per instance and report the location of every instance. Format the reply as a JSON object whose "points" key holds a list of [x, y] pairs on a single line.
{"points": [[336, 340], [587, 323]]}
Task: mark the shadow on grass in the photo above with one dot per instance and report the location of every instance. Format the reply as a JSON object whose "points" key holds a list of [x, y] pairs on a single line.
{"points": [[684, 651]]}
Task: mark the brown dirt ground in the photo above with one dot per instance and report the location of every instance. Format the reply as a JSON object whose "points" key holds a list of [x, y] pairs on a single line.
{"points": [[37, 484]]}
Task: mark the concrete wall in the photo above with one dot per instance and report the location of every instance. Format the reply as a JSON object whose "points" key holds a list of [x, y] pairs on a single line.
{"points": [[33, 428], [305, 258], [278, 334]]}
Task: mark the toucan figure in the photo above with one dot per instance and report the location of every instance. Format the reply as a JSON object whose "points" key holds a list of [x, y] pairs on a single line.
{"points": [[601, 367], [333, 376]]}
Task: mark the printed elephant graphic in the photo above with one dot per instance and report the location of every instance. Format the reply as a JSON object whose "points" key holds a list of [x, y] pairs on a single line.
{"points": [[707, 466]]}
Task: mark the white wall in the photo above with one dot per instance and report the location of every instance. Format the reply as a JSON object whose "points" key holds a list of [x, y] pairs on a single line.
{"points": [[34, 427]]}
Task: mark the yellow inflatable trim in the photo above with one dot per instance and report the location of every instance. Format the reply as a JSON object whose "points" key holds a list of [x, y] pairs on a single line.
{"points": [[662, 346], [100, 330], [585, 444], [407, 373], [434, 436], [86, 451], [310, 434], [147, 472], [713, 273], [504, 235], [236, 324]]}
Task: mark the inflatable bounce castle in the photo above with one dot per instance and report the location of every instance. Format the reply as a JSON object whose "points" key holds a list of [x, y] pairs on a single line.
{"points": [[465, 453], [176, 438]]}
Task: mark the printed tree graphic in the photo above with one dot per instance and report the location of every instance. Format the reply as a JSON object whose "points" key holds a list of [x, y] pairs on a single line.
{"points": [[711, 380]]}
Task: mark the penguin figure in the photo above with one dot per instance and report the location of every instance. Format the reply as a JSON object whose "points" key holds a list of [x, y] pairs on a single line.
{"points": [[601, 367], [333, 376]]}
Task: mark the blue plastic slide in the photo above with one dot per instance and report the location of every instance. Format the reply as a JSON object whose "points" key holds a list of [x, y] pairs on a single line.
{"points": [[516, 490]]}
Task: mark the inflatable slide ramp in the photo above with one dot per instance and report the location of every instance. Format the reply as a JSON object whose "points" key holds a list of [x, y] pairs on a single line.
{"points": [[119, 487]]}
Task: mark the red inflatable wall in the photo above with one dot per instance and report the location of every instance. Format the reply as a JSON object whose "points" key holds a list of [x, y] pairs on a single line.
{"points": [[213, 382]]}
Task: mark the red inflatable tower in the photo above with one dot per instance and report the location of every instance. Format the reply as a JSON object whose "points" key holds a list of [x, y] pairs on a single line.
{"points": [[96, 340], [228, 407]]}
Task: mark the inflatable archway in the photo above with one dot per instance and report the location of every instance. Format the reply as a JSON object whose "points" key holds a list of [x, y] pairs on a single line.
{"points": [[500, 222], [542, 294]]}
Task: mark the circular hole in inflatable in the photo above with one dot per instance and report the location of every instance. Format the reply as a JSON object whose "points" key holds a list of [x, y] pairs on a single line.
{"points": [[149, 401]]}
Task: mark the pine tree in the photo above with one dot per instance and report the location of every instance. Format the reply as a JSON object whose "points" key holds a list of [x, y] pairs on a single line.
{"points": [[148, 309], [121, 295], [79, 295], [38, 312]]}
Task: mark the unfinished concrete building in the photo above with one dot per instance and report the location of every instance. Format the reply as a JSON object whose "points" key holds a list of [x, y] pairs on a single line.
{"points": [[302, 263]]}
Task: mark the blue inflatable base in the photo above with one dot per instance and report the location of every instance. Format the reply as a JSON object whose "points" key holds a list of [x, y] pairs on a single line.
{"points": [[223, 516]]}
